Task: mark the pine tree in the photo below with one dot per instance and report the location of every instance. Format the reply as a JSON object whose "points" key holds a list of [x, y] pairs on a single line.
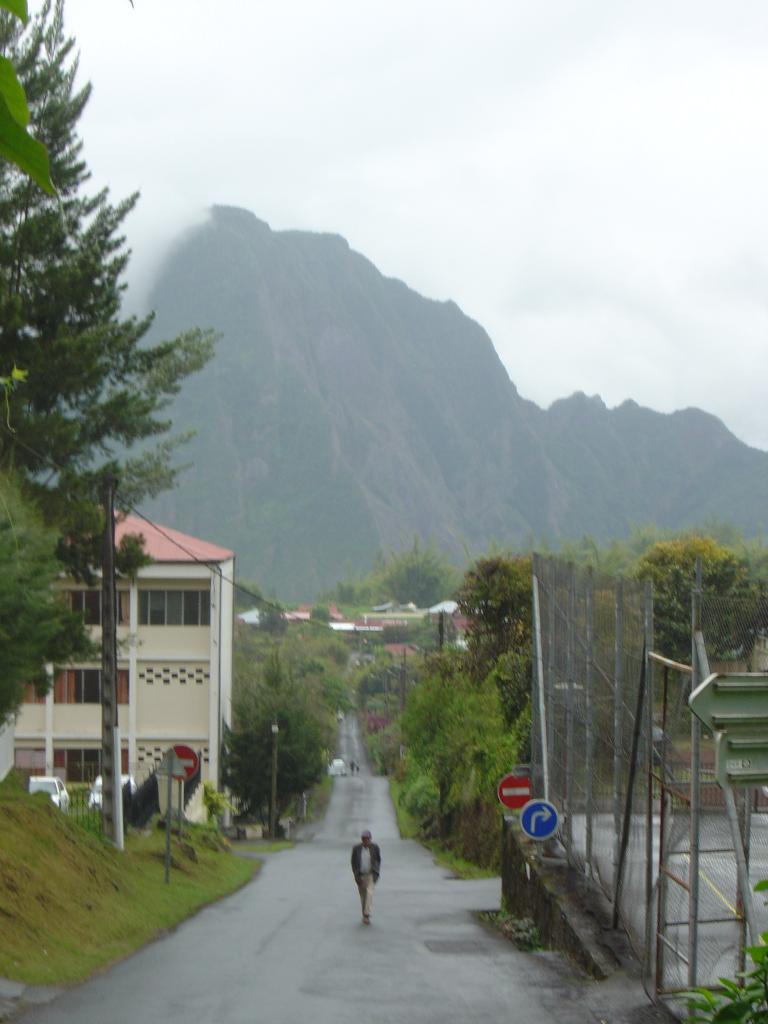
{"points": [[95, 389]]}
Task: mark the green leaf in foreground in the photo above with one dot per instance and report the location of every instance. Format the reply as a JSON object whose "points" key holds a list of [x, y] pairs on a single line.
{"points": [[29, 155], [17, 7], [13, 93]]}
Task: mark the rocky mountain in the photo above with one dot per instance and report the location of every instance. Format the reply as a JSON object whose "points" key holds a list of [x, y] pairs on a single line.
{"points": [[344, 414]]}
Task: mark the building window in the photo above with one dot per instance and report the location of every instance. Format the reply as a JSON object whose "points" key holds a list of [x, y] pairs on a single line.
{"points": [[174, 608], [81, 764], [89, 603], [30, 760], [83, 686]]}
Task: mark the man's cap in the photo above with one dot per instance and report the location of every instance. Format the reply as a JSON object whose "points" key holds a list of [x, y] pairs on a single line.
{"points": [[365, 835]]}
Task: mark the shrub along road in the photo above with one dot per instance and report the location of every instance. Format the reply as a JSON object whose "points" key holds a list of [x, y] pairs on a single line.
{"points": [[290, 946]]}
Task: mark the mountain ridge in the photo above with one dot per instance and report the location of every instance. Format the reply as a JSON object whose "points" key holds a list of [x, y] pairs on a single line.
{"points": [[343, 414]]}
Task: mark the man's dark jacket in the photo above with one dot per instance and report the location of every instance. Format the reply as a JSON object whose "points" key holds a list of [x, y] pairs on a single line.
{"points": [[375, 860]]}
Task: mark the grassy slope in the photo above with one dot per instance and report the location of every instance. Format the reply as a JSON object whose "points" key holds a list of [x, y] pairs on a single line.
{"points": [[71, 904]]}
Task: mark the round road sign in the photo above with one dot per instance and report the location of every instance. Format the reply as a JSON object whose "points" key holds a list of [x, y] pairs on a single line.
{"points": [[514, 791], [187, 760], [539, 819]]}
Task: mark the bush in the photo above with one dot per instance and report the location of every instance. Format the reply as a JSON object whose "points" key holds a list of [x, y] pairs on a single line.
{"points": [[421, 798]]}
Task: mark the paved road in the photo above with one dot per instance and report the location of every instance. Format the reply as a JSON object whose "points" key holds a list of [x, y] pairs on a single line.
{"points": [[290, 946]]}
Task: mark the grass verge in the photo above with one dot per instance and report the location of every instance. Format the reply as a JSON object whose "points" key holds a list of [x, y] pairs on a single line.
{"points": [[409, 829], [70, 904]]}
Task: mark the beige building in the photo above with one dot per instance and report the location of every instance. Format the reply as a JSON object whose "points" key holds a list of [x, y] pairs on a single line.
{"points": [[175, 629]]}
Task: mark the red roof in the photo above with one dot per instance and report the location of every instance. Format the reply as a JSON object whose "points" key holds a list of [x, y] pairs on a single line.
{"points": [[163, 544], [398, 650]]}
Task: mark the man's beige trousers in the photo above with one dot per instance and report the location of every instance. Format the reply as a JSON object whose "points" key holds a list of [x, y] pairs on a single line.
{"points": [[365, 888]]}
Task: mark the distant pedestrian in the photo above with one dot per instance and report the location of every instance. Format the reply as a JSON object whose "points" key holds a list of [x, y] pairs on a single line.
{"points": [[366, 865]]}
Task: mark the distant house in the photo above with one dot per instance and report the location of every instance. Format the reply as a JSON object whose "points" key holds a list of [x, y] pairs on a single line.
{"points": [[361, 626], [301, 614], [175, 629], [250, 618]]}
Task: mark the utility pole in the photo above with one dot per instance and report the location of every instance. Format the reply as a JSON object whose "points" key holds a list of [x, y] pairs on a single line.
{"points": [[402, 683], [273, 802], [111, 791], [441, 629]]}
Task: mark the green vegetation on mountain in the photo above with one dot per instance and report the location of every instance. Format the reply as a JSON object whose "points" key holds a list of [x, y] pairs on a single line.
{"points": [[345, 414], [420, 574]]}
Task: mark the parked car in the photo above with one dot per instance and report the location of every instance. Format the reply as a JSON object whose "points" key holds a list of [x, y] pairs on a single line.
{"points": [[54, 787], [94, 797], [337, 766]]}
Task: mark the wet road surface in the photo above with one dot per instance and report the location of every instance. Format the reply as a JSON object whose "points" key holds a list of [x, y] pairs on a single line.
{"points": [[290, 947]]}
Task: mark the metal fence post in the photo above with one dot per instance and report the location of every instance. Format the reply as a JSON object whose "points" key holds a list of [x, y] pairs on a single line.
{"points": [[648, 633], [590, 713], [550, 675], [693, 897], [536, 719], [570, 659], [542, 703], [618, 680]]}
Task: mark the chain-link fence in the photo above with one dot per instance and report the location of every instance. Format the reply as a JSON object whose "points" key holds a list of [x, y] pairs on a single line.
{"points": [[590, 635], [616, 748]]}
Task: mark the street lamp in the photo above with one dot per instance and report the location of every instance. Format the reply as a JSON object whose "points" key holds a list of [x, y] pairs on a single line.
{"points": [[273, 804]]}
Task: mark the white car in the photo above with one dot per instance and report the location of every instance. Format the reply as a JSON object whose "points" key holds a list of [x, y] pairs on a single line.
{"points": [[54, 787], [94, 797], [337, 766]]}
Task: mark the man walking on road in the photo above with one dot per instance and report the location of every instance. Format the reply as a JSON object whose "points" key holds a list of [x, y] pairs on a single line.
{"points": [[366, 865]]}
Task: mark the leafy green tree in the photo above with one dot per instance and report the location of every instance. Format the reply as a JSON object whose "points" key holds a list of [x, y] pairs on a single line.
{"points": [[455, 731], [94, 387], [320, 613], [36, 626], [421, 575], [671, 567], [272, 694], [16, 144], [495, 595]]}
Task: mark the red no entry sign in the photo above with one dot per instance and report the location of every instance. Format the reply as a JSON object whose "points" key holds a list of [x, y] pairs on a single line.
{"points": [[514, 791], [187, 760]]}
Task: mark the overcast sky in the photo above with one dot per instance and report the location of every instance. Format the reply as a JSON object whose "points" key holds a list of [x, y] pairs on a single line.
{"points": [[587, 180]]}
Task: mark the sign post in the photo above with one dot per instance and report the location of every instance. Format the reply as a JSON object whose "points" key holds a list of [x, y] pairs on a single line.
{"points": [[171, 767], [735, 709]]}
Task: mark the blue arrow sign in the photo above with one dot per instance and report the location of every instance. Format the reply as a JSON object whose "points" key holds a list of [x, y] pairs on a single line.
{"points": [[539, 819]]}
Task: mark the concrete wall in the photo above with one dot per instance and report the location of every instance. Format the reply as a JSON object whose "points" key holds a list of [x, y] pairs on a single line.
{"points": [[570, 913]]}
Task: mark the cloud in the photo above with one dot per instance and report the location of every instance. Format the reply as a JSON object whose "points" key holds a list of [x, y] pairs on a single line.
{"points": [[585, 180]]}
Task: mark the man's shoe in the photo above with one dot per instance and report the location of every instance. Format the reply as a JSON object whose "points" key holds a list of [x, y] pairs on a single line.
{"points": [[366, 918]]}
